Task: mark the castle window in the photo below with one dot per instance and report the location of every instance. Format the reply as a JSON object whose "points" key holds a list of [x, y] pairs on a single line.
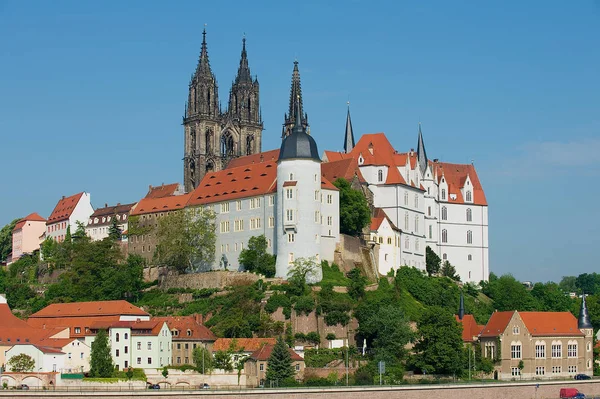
{"points": [[291, 258], [329, 198], [225, 207], [469, 237], [572, 349], [291, 176], [389, 240], [515, 351], [443, 193], [405, 220], [469, 215], [430, 231], [289, 215], [469, 196], [329, 220], [445, 256], [407, 243], [469, 257], [416, 224], [271, 200], [380, 175], [271, 221], [289, 193], [316, 195], [556, 350], [444, 213], [429, 211], [444, 236], [238, 205], [227, 144], [416, 200]]}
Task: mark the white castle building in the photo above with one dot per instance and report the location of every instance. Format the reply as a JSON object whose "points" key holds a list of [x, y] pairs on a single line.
{"points": [[426, 203]]}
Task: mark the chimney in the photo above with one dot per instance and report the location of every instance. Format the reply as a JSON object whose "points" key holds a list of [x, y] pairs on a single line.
{"points": [[198, 318], [118, 204], [262, 158], [63, 197], [105, 205], [149, 187]]}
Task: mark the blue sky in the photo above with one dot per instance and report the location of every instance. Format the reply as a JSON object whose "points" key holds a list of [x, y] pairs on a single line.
{"points": [[92, 95]]}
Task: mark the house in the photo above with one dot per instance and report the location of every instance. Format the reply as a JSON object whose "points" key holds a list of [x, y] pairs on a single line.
{"points": [[241, 347], [67, 214], [470, 328], [99, 223], [26, 236], [257, 363], [47, 359], [187, 334], [388, 239], [540, 345]]}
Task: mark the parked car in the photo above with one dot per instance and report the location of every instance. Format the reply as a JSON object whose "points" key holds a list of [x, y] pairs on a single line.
{"points": [[23, 387], [571, 393], [583, 377], [205, 386], [153, 386]]}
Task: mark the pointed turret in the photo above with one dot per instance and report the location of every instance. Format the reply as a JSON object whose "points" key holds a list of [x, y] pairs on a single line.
{"points": [[461, 306], [584, 317], [295, 97], [203, 67], [421, 154], [243, 75], [349, 137], [243, 97]]}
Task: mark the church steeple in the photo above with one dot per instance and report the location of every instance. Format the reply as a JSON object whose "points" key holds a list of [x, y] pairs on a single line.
{"points": [[461, 307], [243, 97], [349, 137], [421, 154], [203, 98], [295, 96], [243, 75], [203, 67]]}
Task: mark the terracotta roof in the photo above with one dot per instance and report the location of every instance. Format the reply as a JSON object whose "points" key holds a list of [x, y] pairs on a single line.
{"points": [[164, 190], [9, 320], [290, 183], [378, 218], [345, 168], [264, 353], [47, 349], [25, 335], [497, 324], [89, 309], [163, 204], [456, 176], [154, 326], [64, 208], [184, 323], [382, 155], [109, 211], [32, 217], [267, 156], [470, 328], [550, 323], [71, 323], [333, 156], [244, 344]]}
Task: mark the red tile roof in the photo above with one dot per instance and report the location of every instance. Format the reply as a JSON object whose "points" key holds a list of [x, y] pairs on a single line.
{"points": [[184, 323], [264, 353], [456, 176], [244, 344], [378, 218], [346, 168], [333, 156], [497, 324], [64, 208], [71, 323], [9, 320], [137, 327], [470, 328], [550, 323], [163, 204], [89, 309], [267, 156], [32, 217], [163, 190]]}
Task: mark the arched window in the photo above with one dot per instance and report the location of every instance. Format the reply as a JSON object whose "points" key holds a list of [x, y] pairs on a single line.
{"points": [[208, 100], [117, 337], [380, 175], [469, 215], [443, 193], [469, 196], [445, 256], [227, 144], [444, 213], [406, 198], [125, 336], [405, 220], [430, 231], [407, 243], [208, 140], [192, 139], [416, 224], [249, 110], [389, 240], [249, 144], [444, 235], [469, 237]]}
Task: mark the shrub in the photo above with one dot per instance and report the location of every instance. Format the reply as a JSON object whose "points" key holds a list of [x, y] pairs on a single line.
{"points": [[278, 301], [330, 337], [304, 305]]}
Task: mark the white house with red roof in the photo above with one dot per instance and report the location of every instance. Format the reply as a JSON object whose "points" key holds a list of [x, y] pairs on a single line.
{"points": [[67, 213], [436, 204], [389, 240], [26, 236]]}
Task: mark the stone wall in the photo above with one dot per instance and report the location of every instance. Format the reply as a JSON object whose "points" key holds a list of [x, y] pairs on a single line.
{"points": [[351, 253], [216, 279]]}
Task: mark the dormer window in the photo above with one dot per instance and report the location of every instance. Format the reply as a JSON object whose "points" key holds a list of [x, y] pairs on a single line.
{"points": [[361, 160], [469, 196], [189, 333], [380, 175], [443, 193]]}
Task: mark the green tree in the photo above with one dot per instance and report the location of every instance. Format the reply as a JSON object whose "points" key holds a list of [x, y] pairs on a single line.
{"points": [[68, 234], [439, 349], [186, 240], [551, 298], [568, 284], [509, 294], [101, 364], [222, 360], [304, 270], [432, 262], [588, 283], [449, 271], [386, 329], [202, 359], [21, 363], [255, 257], [165, 372], [279, 367], [6, 239], [358, 282], [114, 232], [80, 233], [354, 209]]}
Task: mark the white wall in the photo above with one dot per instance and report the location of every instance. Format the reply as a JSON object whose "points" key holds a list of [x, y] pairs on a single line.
{"points": [[77, 356], [44, 362]]}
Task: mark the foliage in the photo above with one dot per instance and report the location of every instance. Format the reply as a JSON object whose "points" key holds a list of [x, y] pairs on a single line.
{"points": [[186, 240], [237, 314], [332, 275], [268, 327], [509, 294], [432, 262], [550, 297], [279, 366], [330, 336], [358, 282], [21, 363], [439, 349], [588, 283], [354, 209], [303, 270], [321, 357], [255, 257], [6, 239], [101, 364], [202, 359], [279, 301], [114, 232], [222, 360], [448, 270], [304, 305], [568, 284], [363, 376], [334, 305]]}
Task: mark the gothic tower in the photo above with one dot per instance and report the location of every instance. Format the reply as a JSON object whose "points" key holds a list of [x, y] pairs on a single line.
{"points": [[295, 96], [213, 138]]}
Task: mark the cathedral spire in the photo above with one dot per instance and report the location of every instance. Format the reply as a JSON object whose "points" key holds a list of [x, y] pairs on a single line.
{"points": [[461, 306], [349, 137], [203, 67], [584, 316], [421, 154], [243, 75], [295, 97]]}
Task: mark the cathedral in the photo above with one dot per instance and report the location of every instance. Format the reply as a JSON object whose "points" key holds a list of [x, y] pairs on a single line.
{"points": [[213, 137]]}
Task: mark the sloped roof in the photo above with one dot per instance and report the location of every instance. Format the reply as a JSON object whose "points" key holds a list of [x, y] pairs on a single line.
{"points": [[162, 204], [64, 208], [32, 217], [470, 328], [497, 323], [382, 155], [344, 168], [333, 156], [183, 324], [266, 156], [550, 323], [89, 309], [164, 190], [264, 353], [456, 176], [9, 320], [378, 217], [83, 322], [244, 344], [138, 327], [27, 335], [110, 211]]}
